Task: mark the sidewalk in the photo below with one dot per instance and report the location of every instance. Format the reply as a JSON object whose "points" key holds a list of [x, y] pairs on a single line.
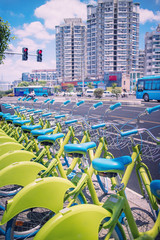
{"points": [[127, 101]]}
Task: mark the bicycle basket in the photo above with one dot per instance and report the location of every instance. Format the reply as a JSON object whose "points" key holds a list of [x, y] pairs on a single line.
{"points": [[114, 140]]}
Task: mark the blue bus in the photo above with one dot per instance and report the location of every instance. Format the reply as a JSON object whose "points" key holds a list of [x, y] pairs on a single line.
{"points": [[38, 91], [148, 88]]}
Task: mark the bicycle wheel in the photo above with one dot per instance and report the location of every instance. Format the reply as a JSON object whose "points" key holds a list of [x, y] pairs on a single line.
{"points": [[9, 190], [2, 228], [26, 224], [117, 234]]}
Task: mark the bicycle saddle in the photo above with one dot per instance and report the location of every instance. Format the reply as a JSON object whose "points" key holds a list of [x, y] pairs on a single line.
{"points": [[20, 122], [155, 188], [81, 148], [29, 128], [49, 139], [37, 133], [115, 165]]}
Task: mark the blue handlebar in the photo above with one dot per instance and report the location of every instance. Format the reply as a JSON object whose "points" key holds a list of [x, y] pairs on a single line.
{"points": [[97, 104], [28, 99], [153, 109], [98, 126], [79, 103], [35, 100], [66, 102], [112, 107], [46, 114], [24, 99], [128, 133], [52, 101], [71, 121], [47, 100], [19, 98], [59, 116]]}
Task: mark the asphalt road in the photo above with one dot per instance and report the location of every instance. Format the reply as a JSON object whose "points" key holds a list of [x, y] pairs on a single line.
{"points": [[127, 113]]}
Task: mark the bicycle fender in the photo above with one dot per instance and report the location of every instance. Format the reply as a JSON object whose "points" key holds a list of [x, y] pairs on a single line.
{"points": [[20, 173], [3, 134], [4, 139], [46, 193], [77, 222], [1, 131], [10, 146], [15, 156]]}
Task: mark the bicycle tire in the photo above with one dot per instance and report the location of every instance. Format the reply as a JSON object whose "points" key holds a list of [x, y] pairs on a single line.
{"points": [[29, 217], [9, 190], [2, 228], [117, 234]]}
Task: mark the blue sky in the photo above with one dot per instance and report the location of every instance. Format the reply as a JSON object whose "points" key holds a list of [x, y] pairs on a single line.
{"points": [[33, 23]]}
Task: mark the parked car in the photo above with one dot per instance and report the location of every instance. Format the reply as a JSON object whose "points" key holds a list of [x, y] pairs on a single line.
{"points": [[124, 94], [79, 94], [89, 93], [70, 94], [11, 95], [62, 94], [108, 94], [132, 93]]}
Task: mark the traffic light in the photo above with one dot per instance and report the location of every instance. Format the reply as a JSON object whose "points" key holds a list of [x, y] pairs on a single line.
{"points": [[24, 54], [39, 55]]}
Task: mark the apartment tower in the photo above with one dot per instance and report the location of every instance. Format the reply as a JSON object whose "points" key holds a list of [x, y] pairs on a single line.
{"points": [[71, 50], [152, 52], [112, 37]]}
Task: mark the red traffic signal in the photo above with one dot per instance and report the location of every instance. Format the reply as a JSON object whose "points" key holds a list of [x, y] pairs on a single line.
{"points": [[39, 55], [24, 54]]}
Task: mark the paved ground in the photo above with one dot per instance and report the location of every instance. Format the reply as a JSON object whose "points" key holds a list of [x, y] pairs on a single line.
{"points": [[139, 205]]}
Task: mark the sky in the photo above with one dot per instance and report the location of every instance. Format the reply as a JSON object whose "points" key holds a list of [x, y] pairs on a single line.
{"points": [[33, 23]]}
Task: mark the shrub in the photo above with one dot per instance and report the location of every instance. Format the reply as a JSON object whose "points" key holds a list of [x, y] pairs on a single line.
{"points": [[98, 92]]}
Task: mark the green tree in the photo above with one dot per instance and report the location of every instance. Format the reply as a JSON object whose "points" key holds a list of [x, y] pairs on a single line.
{"points": [[116, 90], [98, 92], [5, 38], [70, 87], [42, 83], [57, 88], [23, 84], [90, 85]]}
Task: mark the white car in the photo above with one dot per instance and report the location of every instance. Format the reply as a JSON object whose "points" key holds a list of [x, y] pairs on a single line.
{"points": [[108, 94], [70, 94], [89, 93]]}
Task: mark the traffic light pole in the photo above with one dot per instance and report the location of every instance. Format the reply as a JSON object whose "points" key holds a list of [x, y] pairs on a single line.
{"points": [[16, 53], [38, 53]]}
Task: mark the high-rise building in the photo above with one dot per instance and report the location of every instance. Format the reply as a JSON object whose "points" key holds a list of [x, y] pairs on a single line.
{"points": [[71, 50], [152, 52], [112, 37], [139, 72], [141, 59]]}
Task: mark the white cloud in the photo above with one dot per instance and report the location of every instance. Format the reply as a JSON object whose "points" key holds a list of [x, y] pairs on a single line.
{"points": [[34, 30], [13, 14], [13, 67], [149, 16], [35, 36], [157, 2], [53, 12]]}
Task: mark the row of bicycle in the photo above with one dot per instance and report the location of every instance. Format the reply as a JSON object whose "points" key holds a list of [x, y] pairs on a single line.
{"points": [[46, 194]]}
